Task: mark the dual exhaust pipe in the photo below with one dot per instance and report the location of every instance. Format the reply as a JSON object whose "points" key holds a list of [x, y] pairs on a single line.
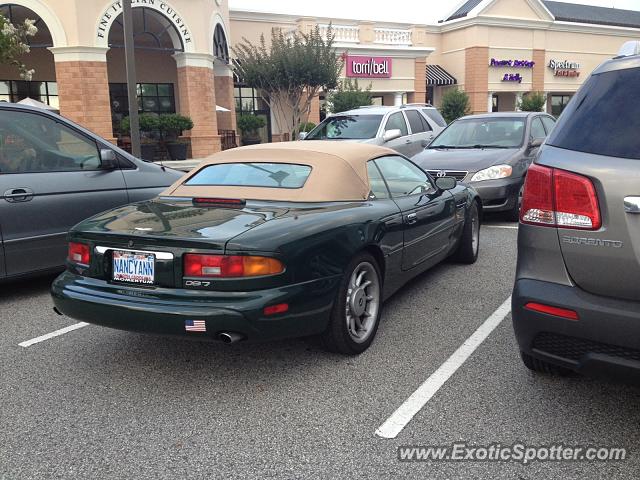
{"points": [[230, 337]]}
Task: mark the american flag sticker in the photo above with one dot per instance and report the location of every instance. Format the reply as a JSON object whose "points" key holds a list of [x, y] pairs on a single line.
{"points": [[195, 326]]}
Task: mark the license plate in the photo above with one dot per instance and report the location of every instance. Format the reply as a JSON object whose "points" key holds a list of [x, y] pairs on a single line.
{"points": [[134, 267]]}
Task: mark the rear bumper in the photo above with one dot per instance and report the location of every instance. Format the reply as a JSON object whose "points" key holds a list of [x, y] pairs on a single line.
{"points": [[498, 195], [604, 342], [165, 310]]}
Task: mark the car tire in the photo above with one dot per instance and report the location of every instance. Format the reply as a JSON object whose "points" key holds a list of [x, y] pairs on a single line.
{"points": [[513, 215], [356, 311], [540, 366], [467, 251]]}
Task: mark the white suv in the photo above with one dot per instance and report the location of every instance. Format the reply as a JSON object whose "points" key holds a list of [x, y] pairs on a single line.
{"points": [[407, 128]]}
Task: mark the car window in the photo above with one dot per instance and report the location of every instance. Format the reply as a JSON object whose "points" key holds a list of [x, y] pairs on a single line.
{"points": [[31, 143], [549, 123], [252, 174], [346, 127], [396, 120], [376, 182], [425, 124], [602, 118], [482, 132], [537, 129], [434, 115], [415, 121], [403, 177]]}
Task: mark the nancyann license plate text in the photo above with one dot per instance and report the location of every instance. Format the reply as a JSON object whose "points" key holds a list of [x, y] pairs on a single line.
{"points": [[133, 267]]}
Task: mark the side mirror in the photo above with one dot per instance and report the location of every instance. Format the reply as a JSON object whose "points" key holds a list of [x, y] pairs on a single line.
{"points": [[446, 183], [302, 135], [535, 143], [391, 134], [108, 160]]}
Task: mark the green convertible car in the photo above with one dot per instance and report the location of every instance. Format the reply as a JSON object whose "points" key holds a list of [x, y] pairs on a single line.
{"points": [[270, 241]]}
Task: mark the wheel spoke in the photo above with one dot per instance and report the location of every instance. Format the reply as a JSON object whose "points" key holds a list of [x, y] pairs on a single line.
{"points": [[359, 278]]}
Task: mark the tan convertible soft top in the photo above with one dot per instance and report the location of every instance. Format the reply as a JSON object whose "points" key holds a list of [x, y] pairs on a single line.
{"points": [[339, 171]]}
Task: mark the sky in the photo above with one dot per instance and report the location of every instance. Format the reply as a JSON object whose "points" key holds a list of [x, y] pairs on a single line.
{"points": [[429, 11]]}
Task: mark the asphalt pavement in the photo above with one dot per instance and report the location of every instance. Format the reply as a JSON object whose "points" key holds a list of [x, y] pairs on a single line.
{"points": [[96, 403]]}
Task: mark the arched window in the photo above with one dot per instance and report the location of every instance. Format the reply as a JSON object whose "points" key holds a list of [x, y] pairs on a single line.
{"points": [[151, 31], [17, 14], [220, 47]]}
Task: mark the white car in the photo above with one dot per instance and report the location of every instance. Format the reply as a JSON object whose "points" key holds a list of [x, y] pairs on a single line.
{"points": [[406, 128]]}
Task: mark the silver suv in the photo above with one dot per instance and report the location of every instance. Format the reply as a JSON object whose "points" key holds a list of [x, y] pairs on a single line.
{"points": [[406, 129], [576, 300]]}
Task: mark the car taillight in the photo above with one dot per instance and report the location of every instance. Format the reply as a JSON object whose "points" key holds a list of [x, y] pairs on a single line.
{"points": [[557, 198], [225, 266], [79, 253], [555, 311]]}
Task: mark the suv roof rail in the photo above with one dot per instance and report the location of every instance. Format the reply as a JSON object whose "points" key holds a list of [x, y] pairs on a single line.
{"points": [[416, 105], [629, 48], [370, 106]]}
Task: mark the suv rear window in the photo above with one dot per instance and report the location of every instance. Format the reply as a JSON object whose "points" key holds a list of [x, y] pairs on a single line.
{"points": [[275, 175], [602, 118]]}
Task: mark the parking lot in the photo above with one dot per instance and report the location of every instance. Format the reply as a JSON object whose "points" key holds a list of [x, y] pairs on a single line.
{"points": [[100, 403]]}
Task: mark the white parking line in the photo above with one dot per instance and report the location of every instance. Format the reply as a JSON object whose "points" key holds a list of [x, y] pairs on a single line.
{"points": [[57, 333], [418, 399], [509, 227]]}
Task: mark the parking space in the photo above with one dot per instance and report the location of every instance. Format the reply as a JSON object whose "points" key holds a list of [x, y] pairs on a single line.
{"points": [[99, 403]]}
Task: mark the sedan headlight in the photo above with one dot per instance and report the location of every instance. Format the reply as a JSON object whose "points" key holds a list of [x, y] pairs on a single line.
{"points": [[492, 173]]}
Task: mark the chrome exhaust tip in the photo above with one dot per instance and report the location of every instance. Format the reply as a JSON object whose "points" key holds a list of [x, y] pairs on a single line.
{"points": [[230, 337]]}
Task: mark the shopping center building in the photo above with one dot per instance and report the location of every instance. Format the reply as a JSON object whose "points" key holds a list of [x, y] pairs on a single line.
{"points": [[495, 50]]}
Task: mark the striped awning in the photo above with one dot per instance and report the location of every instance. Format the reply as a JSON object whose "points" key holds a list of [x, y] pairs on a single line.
{"points": [[437, 76]]}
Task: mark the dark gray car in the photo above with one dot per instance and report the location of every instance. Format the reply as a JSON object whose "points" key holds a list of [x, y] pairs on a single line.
{"points": [[576, 299], [492, 152], [53, 174]]}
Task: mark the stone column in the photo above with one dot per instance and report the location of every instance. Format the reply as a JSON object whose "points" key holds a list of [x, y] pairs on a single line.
{"points": [[490, 102], [83, 87], [197, 99], [476, 82], [397, 98], [537, 75], [419, 95], [223, 81]]}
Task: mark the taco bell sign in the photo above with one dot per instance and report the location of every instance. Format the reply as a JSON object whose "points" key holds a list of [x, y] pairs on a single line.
{"points": [[368, 67]]}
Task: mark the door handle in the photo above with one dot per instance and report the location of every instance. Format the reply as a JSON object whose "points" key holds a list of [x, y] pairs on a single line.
{"points": [[22, 194], [412, 218], [632, 204]]}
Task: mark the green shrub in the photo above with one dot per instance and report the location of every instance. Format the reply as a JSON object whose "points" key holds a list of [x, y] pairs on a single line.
{"points": [[533, 102], [249, 124], [455, 104], [348, 96], [148, 123], [173, 124]]}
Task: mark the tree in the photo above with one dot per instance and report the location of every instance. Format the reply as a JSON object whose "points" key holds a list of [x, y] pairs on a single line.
{"points": [[348, 96], [290, 72], [455, 104], [533, 102], [14, 44]]}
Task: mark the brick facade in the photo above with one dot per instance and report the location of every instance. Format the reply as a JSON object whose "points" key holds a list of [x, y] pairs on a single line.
{"points": [[314, 110], [224, 98], [539, 57], [419, 95], [83, 89], [476, 78], [196, 93]]}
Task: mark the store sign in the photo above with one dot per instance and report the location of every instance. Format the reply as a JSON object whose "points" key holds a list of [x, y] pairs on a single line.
{"points": [[512, 63], [564, 68], [115, 9], [511, 77], [368, 67]]}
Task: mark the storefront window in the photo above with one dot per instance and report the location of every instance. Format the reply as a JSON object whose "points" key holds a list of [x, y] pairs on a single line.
{"points": [[248, 101], [152, 98], [558, 103], [16, 90]]}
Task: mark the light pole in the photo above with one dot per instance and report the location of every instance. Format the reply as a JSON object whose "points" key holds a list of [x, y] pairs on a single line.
{"points": [[130, 62]]}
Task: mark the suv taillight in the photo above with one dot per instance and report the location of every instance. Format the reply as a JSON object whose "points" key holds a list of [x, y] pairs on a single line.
{"points": [[557, 198], [225, 266], [79, 253]]}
